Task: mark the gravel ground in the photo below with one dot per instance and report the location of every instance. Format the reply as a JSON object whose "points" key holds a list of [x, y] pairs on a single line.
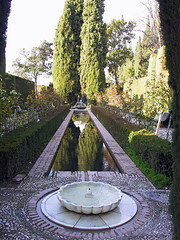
{"points": [[15, 222]]}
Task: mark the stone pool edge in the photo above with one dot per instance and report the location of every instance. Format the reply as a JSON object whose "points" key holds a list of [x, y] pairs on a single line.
{"points": [[123, 161], [43, 163]]}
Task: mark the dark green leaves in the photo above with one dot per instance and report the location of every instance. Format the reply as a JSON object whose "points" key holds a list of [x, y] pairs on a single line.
{"points": [[67, 51], [93, 49], [119, 35]]}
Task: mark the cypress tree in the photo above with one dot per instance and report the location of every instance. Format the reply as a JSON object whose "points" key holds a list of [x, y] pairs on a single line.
{"points": [[4, 13], [93, 49], [67, 51], [138, 59], [170, 22], [156, 29], [147, 47]]}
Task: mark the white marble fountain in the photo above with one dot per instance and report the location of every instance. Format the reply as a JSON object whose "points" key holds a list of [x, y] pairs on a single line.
{"points": [[89, 197], [88, 206]]}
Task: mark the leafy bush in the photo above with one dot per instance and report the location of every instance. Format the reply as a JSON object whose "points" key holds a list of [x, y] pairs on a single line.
{"points": [[154, 150], [159, 180], [35, 108], [8, 101]]}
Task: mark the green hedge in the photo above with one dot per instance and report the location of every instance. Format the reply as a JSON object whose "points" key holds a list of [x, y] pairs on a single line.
{"points": [[21, 85], [20, 147], [154, 150]]}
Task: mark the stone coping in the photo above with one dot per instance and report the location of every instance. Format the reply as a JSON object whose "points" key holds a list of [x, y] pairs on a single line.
{"points": [[43, 163], [123, 162]]}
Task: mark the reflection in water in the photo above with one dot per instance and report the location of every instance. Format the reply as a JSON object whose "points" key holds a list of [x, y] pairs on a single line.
{"points": [[82, 148], [66, 158], [89, 149]]}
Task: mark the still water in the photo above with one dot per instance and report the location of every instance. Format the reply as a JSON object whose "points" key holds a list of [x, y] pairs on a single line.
{"points": [[82, 148]]}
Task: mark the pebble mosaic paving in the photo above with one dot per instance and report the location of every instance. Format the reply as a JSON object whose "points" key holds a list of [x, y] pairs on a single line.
{"points": [[20, 218]]}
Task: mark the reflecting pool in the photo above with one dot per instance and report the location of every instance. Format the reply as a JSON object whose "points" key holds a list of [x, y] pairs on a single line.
{"points": [[82, 148]]}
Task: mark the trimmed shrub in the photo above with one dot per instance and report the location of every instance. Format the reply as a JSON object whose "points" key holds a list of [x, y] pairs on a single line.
{"points": [[22, 145], [159, 180], [153, 150]]}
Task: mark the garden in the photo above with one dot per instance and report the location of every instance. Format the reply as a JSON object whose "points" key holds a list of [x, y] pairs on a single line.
{"points": [[26, 127]]}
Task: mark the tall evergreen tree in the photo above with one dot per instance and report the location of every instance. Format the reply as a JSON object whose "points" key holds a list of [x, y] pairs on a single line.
{"points": [[4, 13], [138, 59], [93, 49], [147, 47], [170, 22], [156, 28], [67, 51]]}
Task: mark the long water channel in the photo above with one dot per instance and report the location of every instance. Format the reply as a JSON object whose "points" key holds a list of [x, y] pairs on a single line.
{"points": [[82, 148]]}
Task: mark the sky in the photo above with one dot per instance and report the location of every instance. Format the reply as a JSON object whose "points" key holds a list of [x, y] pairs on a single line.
{"points": [[33, 21]]}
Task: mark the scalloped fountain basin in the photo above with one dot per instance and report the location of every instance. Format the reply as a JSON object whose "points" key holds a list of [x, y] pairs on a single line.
{"points": [[89, 197]]}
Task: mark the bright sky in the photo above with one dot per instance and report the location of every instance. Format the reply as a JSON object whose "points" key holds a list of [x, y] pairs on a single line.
{"points": [[33, 21]]}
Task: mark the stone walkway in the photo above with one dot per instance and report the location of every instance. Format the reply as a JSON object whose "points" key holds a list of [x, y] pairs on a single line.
{"points": [[21, 217]]}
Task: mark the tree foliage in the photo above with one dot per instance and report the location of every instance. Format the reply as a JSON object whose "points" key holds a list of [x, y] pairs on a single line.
{"points": [[138, 59], [35, 63], [157, 97], [119, 36], [67, 51], [127, 72], [144, 49], [148, 47], [93, 49], [4, 13], [151, 41], [170, 21], [155, 35]]}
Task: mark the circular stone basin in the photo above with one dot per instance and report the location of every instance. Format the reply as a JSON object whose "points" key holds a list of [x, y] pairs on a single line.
{"points": [[89, 197]]}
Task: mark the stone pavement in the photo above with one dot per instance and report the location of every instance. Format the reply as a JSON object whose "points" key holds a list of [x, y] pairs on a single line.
{"points": [[20, 217]]}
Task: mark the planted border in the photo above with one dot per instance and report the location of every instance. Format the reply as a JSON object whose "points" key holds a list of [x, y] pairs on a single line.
{"points": [[154, 151], [20, 147]]}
